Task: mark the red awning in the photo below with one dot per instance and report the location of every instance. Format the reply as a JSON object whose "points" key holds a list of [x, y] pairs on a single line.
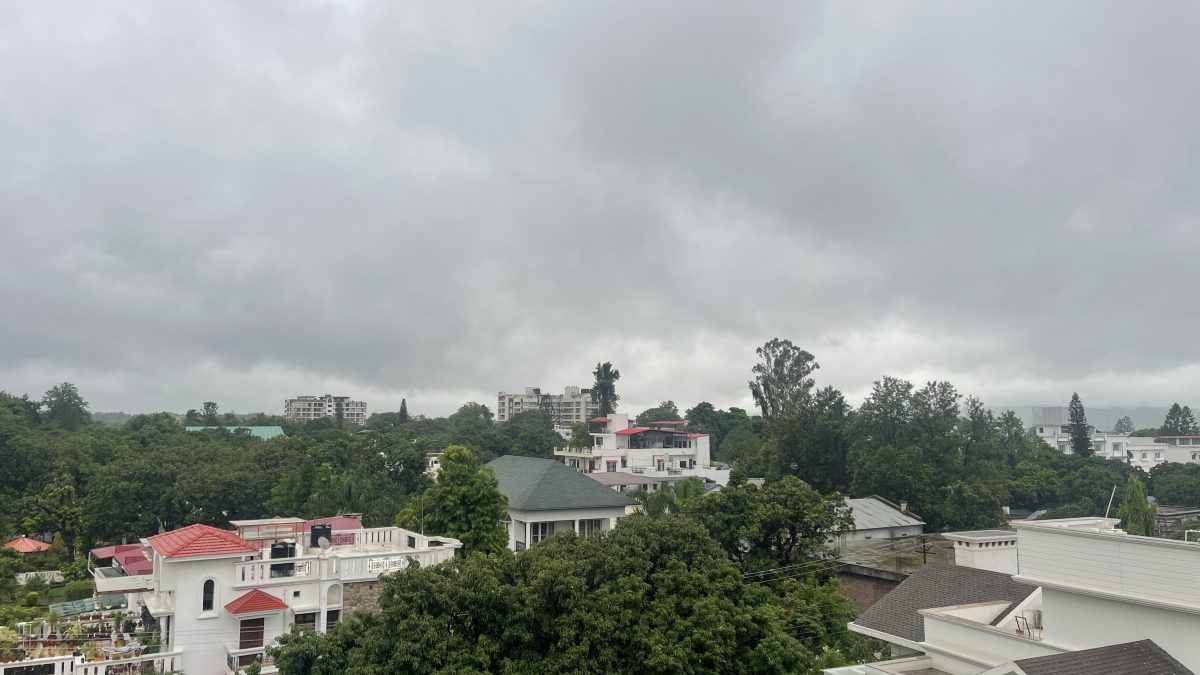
{"points": [[256, 601], [27, 545]]}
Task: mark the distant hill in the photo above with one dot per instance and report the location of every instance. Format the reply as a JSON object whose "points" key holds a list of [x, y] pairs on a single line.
{"points": [[111, 418], [1104, 418]]}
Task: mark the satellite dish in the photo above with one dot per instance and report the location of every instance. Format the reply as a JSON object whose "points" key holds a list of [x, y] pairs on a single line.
{"points": [[323, 543]]}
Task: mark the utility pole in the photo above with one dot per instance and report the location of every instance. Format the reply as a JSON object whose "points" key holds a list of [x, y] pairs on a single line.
{"points": [[925, 549]]}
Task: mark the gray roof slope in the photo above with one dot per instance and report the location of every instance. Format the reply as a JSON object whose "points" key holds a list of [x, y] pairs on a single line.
{"points": [[534, 484], [871, 513], [938, 584], [1131, 658]]}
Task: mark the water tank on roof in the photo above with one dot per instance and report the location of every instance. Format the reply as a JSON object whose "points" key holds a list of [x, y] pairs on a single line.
{"points": [[319, 533]]}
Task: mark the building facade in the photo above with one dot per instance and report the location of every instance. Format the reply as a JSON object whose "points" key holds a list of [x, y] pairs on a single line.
{"points": [[1056, 596], [655, 449], [572, 405], [219, 598], [305, 408], [1050, 425]]}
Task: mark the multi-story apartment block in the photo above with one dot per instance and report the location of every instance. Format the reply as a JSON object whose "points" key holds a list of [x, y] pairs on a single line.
{"points": [[571, 406], [307, 408], [212, 600], [654, 449]]}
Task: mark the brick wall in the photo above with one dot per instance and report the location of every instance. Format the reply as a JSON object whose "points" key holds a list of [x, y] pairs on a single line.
{"points": [[363, 595], [865, 591]]}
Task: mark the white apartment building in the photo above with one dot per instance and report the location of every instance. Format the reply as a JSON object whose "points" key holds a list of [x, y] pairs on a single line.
{"points": [[655, 449], [219, 598], [1074, 595], [571, 406], [1050, 425], [307, 408]]}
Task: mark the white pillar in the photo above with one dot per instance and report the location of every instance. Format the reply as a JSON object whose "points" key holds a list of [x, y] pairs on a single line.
{"points": [[576, 523], [528, 541]]}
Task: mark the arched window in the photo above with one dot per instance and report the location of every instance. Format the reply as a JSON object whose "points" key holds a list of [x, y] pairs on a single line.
{"points": [[210, 589]]}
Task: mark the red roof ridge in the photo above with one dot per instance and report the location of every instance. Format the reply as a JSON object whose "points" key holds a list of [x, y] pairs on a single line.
{"points": [[199, 540], [255, 601]]}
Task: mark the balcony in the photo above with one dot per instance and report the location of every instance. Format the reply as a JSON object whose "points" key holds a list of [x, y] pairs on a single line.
{"points": [[238, 659], [573, 452], [274, 571], [113, 580]]}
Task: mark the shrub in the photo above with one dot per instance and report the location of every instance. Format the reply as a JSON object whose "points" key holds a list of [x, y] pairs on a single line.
{"points": [[31, 598], [78, 590], [35, 583]]}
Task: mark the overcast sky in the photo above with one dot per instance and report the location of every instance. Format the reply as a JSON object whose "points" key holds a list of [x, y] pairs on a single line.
{"points": [[246, 201]]}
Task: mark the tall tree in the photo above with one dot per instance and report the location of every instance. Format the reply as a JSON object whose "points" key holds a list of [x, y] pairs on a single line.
{"points": [[1078, 428], [403, 416], [464, 503], [1124, 425], [210, 413], [680, 605], [1136, 513], [65, 407], [1187, 422], [782, 385], [604, 390], [1173, 424], [666, 411]]}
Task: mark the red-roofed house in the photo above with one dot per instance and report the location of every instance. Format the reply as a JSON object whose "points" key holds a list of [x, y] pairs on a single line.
{"points": [[220, 597], [27, 545], [657, 449]]}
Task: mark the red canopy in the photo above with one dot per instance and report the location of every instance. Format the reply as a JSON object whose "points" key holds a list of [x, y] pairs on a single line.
{"points": [[27, 545]]}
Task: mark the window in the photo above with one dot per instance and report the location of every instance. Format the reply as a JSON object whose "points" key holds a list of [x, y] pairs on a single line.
{"points": [[612, 465], [331, 619], [209, 595], [295, 594], [251, 633], [1143, 455], [540, 531], [1041, 430], [1158, 455], [589, 527], [307, 621], [623, 463]]}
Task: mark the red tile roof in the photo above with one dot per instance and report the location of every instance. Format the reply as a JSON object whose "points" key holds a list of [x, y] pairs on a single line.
{"points": [[632, 430], [256, 601], [198, 540], [667, 423], [27, 545]]}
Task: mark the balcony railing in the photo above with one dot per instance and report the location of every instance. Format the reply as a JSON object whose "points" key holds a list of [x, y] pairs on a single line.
{"points": [[112, 580], [277, 570], [238, 659]]}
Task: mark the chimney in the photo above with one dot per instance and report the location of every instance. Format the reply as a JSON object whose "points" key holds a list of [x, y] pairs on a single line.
{"points": [[904, 506], [994, 550]]}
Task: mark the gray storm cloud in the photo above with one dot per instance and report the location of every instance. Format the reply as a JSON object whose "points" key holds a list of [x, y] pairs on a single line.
{"points": [[246, 201]]}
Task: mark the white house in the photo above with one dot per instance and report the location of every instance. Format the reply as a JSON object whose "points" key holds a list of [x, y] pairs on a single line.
{"points": [[1050, 425], [1080, 596], [877, 519], [545, 497], [652, 449], [219, 597]]}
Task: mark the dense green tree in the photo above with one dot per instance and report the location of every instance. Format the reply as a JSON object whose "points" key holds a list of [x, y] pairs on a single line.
{"points": [[403, 414], [1176, 484], [604, 388], [1078, 428], [897, 474], [192, 418], [651, 596], [209, 414], [666, 411], [464, 503], [580, 436], [970, 506], [782, 384], [529, 434], [885, 416], [814, 445], [1179, 422], [1034, 485], [1136, 512], [65, 407], [56, 509], [670, 497], [1124, 425], [706, 419], [743, 447]]}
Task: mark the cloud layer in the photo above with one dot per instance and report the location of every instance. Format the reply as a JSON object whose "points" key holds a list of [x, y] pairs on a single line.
{"points": [[243, 202]]}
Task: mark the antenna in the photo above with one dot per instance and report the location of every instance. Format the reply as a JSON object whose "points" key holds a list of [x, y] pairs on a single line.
{"points": [[1110, 500]]}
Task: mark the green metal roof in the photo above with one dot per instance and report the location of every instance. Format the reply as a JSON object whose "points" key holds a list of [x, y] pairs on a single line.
{"points": [[533, 484], [265, 433]]}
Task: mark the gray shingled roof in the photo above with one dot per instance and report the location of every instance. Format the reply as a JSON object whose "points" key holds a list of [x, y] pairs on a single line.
{"points": [[1131, 658], [938, 585], [533, 484]]}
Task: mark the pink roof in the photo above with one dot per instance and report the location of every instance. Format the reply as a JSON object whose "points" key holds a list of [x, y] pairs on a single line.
{"points": [[27, 545], [256, 601], [667, 423], [198, 540], [135, 562], [112, 551], [598, 419], [632, 430], [338, 523]]}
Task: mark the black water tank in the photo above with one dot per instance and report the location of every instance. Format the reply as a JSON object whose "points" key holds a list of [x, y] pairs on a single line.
{"points": [[320, 532], [279, 550]]}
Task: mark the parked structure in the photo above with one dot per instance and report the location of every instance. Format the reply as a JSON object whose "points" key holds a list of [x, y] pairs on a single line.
{"points": [[27, 545], [307, 408], [1080, 595], [655, 449], [545, 497], [219, 598], [571, 406]]}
